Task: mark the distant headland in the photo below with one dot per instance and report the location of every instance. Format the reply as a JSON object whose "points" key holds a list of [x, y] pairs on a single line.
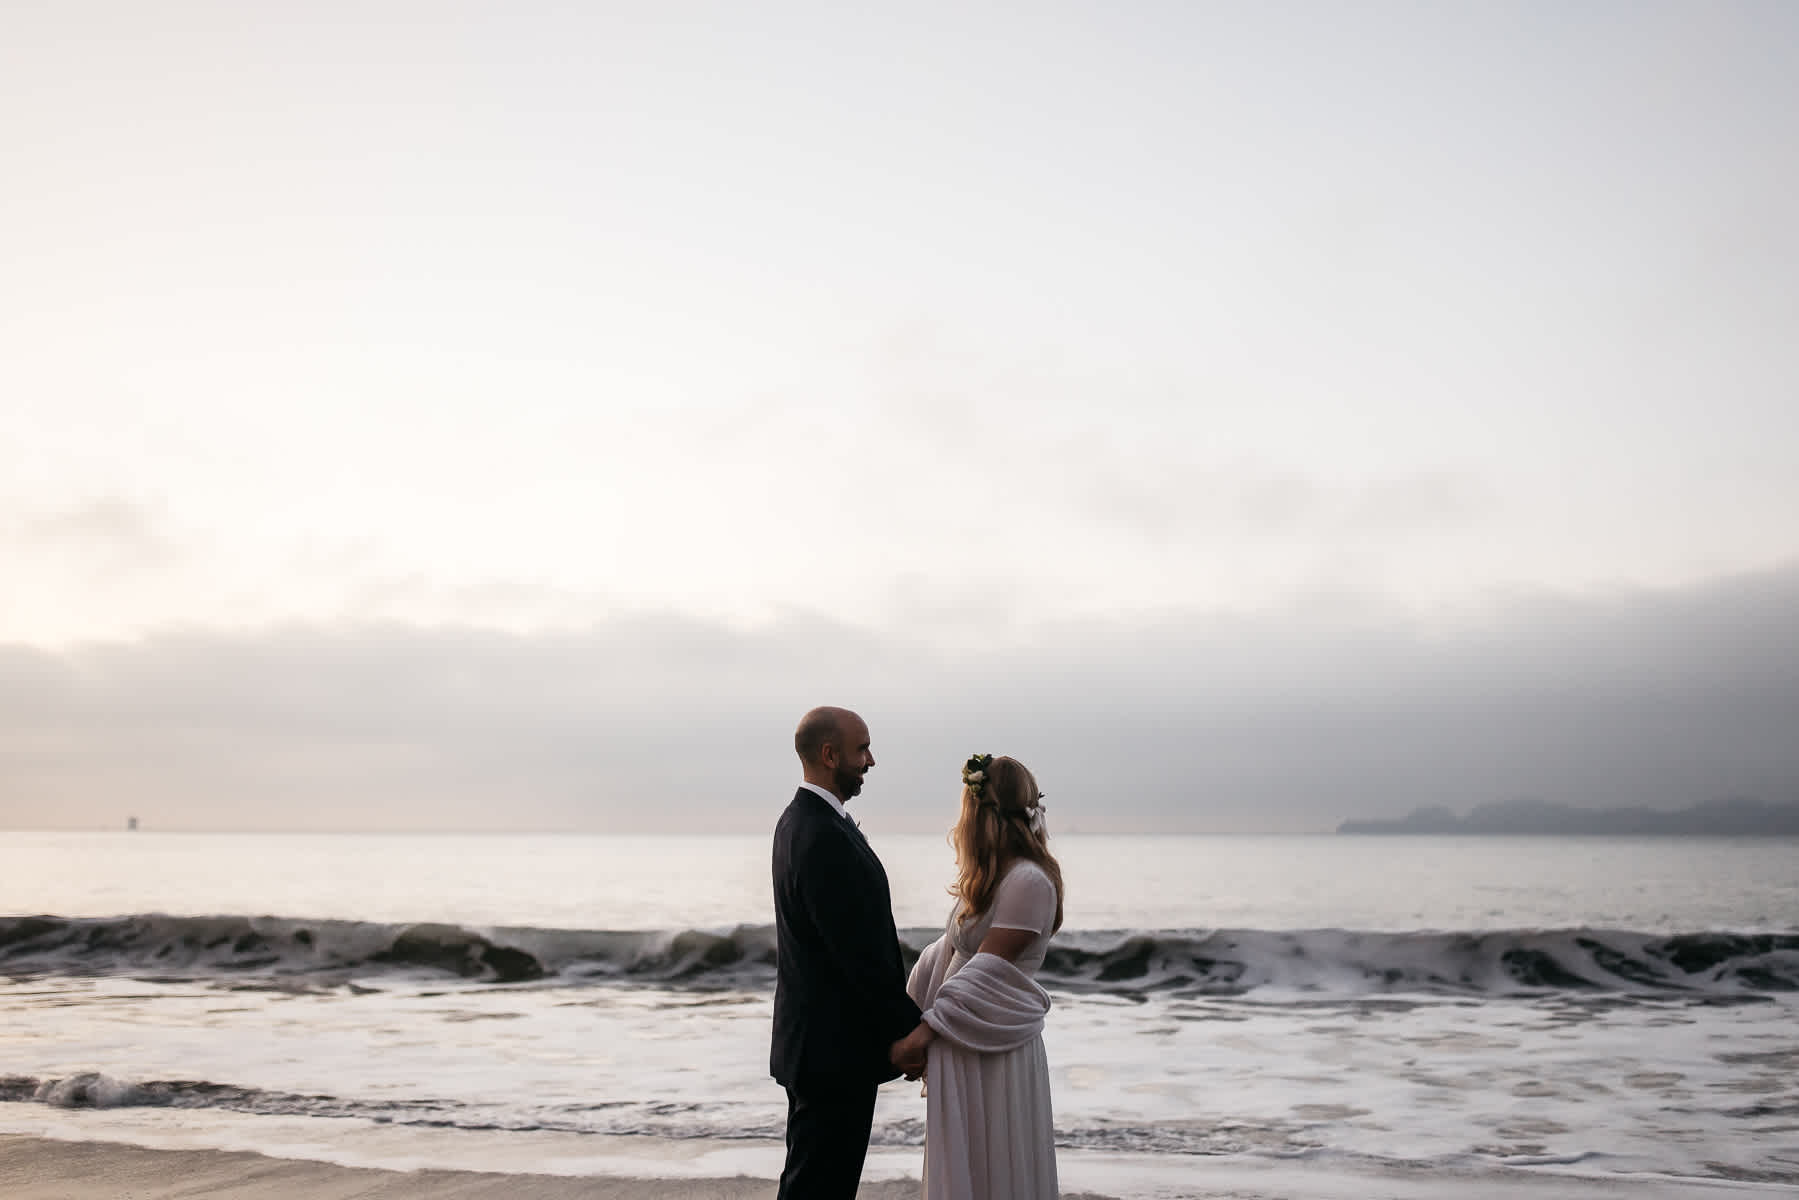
{"points": [[1718, 818]]}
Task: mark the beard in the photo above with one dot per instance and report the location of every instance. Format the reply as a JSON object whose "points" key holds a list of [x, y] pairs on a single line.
{"points": [[848, 782]]}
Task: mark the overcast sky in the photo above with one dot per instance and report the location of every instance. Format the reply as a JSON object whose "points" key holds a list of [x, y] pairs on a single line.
{"points": [[501, 416]]}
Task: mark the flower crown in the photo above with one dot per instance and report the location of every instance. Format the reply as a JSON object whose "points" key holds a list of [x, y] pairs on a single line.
{"points": [[974, 778]]}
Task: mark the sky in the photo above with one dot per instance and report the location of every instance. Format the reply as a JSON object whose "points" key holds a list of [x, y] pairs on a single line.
{"points": [[478, 416]]}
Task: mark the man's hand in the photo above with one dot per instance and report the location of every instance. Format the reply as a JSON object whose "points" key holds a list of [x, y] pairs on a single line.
{"points": [[909, 1054]]}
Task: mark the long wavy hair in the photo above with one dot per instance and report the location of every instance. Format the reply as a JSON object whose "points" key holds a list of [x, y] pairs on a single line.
{"points": [[993, 832]]}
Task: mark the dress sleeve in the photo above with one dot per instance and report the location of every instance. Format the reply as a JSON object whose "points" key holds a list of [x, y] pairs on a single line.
{"points": [[1025, 899]]}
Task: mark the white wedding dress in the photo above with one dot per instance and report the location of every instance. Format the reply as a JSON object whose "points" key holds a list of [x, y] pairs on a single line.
{"points": [[989, 1131]]}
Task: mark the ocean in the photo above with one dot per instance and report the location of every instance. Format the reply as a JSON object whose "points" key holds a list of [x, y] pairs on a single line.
{"points": [[1592, 1008]]}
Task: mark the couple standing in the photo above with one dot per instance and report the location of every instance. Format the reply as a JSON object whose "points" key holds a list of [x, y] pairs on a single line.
{"points": [[969, 1018]]}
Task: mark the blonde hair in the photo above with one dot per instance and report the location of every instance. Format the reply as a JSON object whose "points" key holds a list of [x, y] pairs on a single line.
{"points": [[994, 831]]}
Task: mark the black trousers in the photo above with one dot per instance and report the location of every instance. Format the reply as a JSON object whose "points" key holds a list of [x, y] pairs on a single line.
{"points": [[827, 1139]]}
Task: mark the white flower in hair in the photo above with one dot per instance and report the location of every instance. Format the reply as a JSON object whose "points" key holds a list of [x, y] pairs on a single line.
{"points": [[975, 777]]}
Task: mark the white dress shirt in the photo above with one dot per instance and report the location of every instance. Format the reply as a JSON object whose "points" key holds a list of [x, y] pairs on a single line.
{"points": [[833, 801]]}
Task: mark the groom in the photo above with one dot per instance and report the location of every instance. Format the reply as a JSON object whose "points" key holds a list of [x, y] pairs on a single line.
{"points": [[840, 984]]}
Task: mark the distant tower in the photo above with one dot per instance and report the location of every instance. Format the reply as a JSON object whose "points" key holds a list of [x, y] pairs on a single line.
{"points": [[131, 824]]}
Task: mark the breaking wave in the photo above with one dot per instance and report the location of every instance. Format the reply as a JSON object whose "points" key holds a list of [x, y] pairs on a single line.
{"points": [[1197, 962]]}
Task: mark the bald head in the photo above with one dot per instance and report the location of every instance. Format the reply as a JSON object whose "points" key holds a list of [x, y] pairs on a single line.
{"points": [[820, 728], [833, 747]]}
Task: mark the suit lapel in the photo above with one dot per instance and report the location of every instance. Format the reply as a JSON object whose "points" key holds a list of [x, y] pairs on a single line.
{"points": [[821, 810]]}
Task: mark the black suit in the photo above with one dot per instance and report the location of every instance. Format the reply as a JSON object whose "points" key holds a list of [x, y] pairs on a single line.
{"points": [[840, 995]]}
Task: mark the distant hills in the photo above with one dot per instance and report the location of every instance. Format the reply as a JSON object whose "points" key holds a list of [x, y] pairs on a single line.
{"points": [[1735, 818]]}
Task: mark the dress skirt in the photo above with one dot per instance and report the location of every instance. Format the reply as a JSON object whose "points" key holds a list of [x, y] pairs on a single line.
{"points": [[989, 1131]]}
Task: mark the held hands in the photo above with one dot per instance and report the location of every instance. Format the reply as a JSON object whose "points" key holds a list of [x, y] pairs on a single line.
{"points": [[909, 1053]]}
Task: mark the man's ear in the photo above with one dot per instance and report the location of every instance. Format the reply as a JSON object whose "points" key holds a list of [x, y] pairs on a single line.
{"points": [[827, 754]]}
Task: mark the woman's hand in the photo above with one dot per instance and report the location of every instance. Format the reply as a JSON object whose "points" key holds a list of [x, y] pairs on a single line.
{"points": [[909, 1054]]}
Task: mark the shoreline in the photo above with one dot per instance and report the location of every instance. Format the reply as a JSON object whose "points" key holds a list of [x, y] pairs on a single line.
{"points": [[34, 1167]]}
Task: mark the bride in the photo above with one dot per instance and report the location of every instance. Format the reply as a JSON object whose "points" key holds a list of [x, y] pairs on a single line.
{"points": [[988, 1128]]}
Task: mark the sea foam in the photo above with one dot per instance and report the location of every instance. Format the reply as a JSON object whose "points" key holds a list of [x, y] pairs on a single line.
{"points": [[1195, 962]]}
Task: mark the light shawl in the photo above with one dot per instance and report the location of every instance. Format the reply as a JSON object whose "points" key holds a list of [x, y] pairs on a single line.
{"points": [[989, 1131], [989, 1006]]}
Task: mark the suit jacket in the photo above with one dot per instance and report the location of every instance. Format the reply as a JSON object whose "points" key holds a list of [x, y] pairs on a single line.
{"points": [[840, 981]]}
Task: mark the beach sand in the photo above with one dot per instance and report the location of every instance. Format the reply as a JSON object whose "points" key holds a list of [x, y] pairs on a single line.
{"points": [[40, 1169], [33, 1168]]}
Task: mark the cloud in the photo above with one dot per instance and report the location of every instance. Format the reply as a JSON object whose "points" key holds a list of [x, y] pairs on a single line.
{"points": [[65, 562], [108, 527], [1169, 499], [660, 722]]}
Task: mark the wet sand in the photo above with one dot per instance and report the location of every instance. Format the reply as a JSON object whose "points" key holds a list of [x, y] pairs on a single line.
{"points": [[40, 1169]]}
